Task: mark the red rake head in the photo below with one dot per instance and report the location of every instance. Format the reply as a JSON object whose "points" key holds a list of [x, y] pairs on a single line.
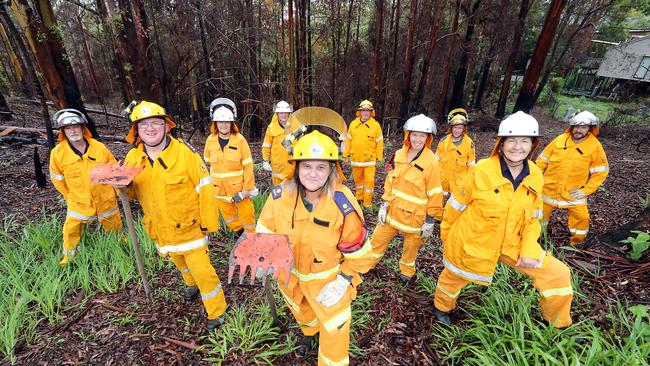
{"points": [[114, 174], [261, 252]]}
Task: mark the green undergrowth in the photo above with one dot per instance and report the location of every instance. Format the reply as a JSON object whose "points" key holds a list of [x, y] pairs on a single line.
{"points": [[504, 327], [34, 289]]}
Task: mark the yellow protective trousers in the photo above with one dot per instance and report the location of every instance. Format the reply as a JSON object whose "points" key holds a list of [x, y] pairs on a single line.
{"points": [[73, 228], [237, 216], [578, 221], [364, 182], [197, 270], [331, 324], [553, 281], [381, 238]]}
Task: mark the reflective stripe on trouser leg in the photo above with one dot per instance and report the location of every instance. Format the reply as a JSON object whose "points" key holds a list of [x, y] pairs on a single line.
{"points": [[179, 262], [553, 281], [448, 285], [369, 185], [246, 213], [112, 222], [382, 235], [206, 278], [301, 310], [357, 174], [412, 244], [578, 223], [228, 211], [72, 231]]}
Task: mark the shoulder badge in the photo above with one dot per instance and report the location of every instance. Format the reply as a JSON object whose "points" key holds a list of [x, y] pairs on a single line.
{"points": [[343, 203], [276, 192]]}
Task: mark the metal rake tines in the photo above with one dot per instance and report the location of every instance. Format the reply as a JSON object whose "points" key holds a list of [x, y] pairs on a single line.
{"points": [[268, 253]]}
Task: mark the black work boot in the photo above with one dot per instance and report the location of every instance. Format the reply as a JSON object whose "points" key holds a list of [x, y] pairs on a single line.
{"points": [[239, 232], [404, 279], [442, 317], [304, 345], [213, 324], [190, 293]]}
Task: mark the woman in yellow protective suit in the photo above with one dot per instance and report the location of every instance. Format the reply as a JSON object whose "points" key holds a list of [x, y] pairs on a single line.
{"points": [[455, 151], [412, 196], [231, 167], [494, 216], [326, 230], [272, 148], [175, 193]]}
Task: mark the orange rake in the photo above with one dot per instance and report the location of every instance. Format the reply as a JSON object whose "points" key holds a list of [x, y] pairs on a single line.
{"points": [[269, 253]]}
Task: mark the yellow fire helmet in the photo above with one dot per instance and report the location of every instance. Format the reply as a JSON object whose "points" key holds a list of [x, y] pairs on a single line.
{"points": [[365, 105], [137, 111], [315, 146], [457, 116]]}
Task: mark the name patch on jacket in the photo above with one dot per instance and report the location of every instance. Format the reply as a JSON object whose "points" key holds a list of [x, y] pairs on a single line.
{"points": [[232, 147], [276, 192], [343, 203]]}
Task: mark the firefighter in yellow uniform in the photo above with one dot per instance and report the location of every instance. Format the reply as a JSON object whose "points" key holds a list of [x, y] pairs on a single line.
{"points": [[455, 151], [71, 163], [364, 147], [231, 167], [175, 192], [574, 166], [412, 199], [326, 230], [272, 148], [494, 216]]}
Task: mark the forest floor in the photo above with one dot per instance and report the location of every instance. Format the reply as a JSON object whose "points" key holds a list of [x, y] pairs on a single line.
{"points": [[120, 327]]}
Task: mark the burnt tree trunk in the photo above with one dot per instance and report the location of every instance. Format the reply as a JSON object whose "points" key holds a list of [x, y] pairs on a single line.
{"points": [[512, 57], [446, 74], [377, 53], [118, 62], [458, 92], [405, 89], [433, 36], [5, 112], [526, 99]]}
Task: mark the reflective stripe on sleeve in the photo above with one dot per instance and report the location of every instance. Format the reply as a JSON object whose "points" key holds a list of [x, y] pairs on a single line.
{"points": [[260, 228], [434, 190], [379, 138], [316, 275], [603, 168], [247, 161], [266, 145], [56, 176], [471, 163], [203, 182], [543, 157], [364, 250], [455, 204], [578, 231]]}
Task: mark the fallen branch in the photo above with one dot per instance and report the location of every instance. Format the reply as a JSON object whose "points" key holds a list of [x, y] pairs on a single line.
{"points": [[192, 346]]}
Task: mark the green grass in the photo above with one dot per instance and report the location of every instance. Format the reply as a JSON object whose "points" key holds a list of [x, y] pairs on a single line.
{"points": [[34, 288], [604, 110], [505, 328]]}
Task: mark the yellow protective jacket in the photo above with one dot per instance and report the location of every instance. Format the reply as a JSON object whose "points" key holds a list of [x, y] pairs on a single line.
{"points": [[485, 218], [455, 161], [314, 236], [175, 193], [231, 168], [273, 150], [413, 191], [70, 175], [364, 143], [567, 166]]}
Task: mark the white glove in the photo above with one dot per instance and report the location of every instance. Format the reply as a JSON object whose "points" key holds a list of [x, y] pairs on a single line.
{"points": [[266, 166], [427, 228], [333, 291], [383, 212], [238, 197], [253, 192], [577, 194]]}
